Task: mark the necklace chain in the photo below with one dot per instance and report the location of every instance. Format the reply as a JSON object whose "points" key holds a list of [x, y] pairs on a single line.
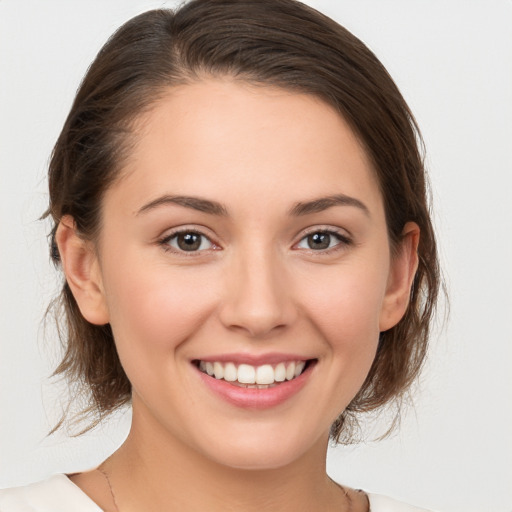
{"points": [[349, 499], [105, 474], [347, 496]]}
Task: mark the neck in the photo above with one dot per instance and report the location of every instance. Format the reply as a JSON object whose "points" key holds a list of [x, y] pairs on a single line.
{"points": [[153, 470]]}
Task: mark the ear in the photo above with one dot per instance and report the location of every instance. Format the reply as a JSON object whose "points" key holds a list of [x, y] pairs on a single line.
{"points": [[82, 271], [404, 264]]}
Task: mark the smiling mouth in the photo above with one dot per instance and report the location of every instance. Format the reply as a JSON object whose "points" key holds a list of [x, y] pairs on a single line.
{"points": [[255, 377]]}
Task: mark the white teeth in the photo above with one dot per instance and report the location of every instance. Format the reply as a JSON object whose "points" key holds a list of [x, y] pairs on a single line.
{"points": [[265, 374], [299, 367], [230, 373], [280, 372], [218, 370], [249, 376], [290, 371], [246, 374]]}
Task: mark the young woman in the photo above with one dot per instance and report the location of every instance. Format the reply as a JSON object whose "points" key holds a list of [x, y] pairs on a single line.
{"points": [[241, 217]]}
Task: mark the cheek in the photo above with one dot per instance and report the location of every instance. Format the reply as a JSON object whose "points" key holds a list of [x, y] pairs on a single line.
{"points": [[348, 299], [154, 309], [344, 305]]}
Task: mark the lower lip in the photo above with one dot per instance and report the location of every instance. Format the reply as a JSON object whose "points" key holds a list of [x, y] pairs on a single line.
{"points": [[251, 398]]}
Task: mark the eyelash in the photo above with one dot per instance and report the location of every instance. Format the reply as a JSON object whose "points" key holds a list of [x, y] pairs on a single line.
{"points": [[165, 242], [343, 241]]}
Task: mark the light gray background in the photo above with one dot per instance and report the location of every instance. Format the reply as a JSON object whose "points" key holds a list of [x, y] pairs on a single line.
{"points": [[453, 62]]}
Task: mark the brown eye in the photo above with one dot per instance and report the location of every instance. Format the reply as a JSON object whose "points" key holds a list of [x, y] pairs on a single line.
{"points": [[189, 241], [319, 241], [323, 241]]}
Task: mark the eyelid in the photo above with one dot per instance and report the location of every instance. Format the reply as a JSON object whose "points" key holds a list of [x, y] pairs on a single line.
{"points": [[174, 232], [345, 239]]}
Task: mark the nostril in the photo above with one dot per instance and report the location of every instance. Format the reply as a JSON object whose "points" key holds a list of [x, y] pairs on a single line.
{"points": [[257, 303]]}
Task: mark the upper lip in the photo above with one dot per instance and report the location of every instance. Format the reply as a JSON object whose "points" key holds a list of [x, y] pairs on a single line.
{"points": [[254, 359]]}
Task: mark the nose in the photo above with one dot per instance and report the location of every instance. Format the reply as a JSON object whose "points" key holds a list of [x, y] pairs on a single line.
{"points": [[257, 295]]}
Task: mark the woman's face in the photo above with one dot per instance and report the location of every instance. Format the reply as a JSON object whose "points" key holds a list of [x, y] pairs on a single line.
{"points": [[247, 237]]}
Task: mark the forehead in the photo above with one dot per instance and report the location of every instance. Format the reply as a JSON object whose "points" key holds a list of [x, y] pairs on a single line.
{"points": [[233, 140]]}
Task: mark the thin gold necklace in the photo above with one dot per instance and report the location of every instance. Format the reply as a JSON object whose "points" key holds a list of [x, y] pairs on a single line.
{"points": [[349, 499], [105, 474], [347, 495]]}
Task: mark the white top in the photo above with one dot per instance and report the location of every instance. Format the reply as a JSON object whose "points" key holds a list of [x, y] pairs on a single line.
{"points": [[59, 494]]}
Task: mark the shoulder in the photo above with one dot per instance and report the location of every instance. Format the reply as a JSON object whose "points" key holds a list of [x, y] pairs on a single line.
{"points": [[56, 494], [380, 503]]}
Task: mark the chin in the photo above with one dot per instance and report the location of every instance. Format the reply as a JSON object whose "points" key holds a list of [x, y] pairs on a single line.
{"points": [[257, 453], [256, 460]]}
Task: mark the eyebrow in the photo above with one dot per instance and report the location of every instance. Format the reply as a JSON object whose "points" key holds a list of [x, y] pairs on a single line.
{"points": [[323, 203], [196, 203], [215, 208]]}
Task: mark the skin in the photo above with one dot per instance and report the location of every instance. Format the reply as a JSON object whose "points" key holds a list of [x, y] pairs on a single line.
{"points": [[254, 287]]}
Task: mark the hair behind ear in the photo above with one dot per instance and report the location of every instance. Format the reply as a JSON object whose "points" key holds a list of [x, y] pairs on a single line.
{"points": [[90, 362]]}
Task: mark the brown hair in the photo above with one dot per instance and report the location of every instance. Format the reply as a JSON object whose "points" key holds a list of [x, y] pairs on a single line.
{"points": [[281, 43]]}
